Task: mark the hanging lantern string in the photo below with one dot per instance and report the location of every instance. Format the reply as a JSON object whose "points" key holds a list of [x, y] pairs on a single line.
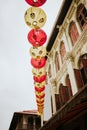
{"points": [[37, 37]]}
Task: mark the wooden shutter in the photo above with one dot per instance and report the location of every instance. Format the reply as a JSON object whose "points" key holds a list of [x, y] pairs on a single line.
{"points": [[68, 83], [84, 61], [78, 78], [84, 70], [74, 32], [64, 95], [57, 99], [62, 50]]}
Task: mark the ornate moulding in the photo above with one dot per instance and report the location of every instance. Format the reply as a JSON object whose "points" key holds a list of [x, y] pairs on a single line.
{"points": [[53, 84], [80, 43], [67, 19], [53, 81], [76, 1], [61, 72], [84, 49], [69, 57]]}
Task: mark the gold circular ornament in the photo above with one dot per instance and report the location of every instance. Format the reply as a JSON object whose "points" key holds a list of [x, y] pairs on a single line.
{"points": [[35, 17], [39, 72], [39, 85], [40, 94], [38, 52]]}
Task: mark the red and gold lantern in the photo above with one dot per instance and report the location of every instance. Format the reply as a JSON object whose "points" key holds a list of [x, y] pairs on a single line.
{"points": [[39, 72], [35, 3], [37, 37], [38, 63], [40, 96], [39, 89], [39, 79], [35, 17]]}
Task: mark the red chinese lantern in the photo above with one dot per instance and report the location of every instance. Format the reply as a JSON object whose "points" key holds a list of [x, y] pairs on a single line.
{"points": [[40, 105], [40, 96], [37, 37], [40, 111], [39, 93], [38, 63], [39, 79], [35, 3], [40, 101], [39, 84], [39, 89]]}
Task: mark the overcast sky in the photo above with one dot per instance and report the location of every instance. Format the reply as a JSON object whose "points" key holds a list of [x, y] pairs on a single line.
{"points": [[16, 83]]}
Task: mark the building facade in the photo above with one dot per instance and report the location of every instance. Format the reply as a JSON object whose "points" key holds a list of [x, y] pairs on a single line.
{"points": [[66, 73], [26, 120], [67, 68]]}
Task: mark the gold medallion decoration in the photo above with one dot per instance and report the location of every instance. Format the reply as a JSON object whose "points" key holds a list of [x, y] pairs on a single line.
{"points": [[38, 52], [39, 72], [35, 17]]}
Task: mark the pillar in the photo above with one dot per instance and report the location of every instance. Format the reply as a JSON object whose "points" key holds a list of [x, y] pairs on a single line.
{"points": [[71, 74]]}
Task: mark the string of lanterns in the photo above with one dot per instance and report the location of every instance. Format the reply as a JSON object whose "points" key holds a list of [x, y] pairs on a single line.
{"points": [[35, 18]]}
